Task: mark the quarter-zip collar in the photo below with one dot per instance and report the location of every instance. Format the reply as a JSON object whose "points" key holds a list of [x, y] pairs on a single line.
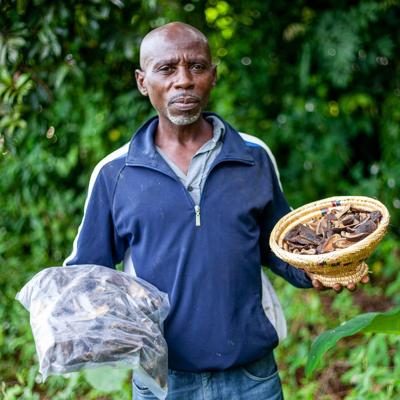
{"points": [[142, 151]]}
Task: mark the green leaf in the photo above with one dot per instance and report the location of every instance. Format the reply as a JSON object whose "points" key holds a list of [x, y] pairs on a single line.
{"points": [[22, 79], [387, 322], [106, 379]]}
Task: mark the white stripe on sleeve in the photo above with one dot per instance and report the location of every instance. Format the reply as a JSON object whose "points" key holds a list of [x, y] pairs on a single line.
{"points": [[112, 156], [252, 139]]}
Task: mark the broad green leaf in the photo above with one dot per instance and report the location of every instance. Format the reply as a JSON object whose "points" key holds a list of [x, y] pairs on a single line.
{"points": [[106, 379], [387, 322]]}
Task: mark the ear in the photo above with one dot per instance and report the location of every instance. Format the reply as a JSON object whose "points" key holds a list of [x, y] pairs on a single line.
{"points": [[139, 75]]}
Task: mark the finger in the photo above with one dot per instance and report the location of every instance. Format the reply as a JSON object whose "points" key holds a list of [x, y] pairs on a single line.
{"points": [[351, 287], [337, 287], [317, 284], [365, 279]]}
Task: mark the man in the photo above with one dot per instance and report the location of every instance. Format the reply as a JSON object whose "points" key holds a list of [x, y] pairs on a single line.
{"points": [[189, 204]]}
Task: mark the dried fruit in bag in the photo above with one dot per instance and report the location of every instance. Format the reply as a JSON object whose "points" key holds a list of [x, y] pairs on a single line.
{"points": [[85, 316]]}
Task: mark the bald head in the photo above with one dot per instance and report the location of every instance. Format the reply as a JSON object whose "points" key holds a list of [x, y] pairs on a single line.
{"points": [[176, 72], [174, 32]]}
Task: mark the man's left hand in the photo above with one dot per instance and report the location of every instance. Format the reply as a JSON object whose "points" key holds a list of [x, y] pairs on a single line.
{"points": [[337, 287]]}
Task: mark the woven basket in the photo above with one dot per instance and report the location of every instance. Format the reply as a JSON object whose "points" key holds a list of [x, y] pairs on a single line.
{"points": [[342, 266]]}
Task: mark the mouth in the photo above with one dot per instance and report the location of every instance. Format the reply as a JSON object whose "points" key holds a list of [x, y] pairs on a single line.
{"points": [[184, 102]]}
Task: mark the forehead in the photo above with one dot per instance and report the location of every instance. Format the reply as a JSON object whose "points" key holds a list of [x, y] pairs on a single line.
{"points": [[167, 45]]}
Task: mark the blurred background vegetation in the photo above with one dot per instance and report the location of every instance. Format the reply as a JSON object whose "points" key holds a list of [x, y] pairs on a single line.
{"points": [[318, 81]]}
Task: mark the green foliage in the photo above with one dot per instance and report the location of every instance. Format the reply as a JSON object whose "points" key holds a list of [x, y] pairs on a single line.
{"points": [[388, 322], [320, 84], [374, 368], [106, 379]]}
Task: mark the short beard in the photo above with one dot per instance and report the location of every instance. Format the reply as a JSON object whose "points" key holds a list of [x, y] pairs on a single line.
{"points": [[182, 120]]}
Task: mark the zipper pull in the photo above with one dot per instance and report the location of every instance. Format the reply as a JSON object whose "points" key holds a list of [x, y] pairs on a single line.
{"points": [[197, 212]]}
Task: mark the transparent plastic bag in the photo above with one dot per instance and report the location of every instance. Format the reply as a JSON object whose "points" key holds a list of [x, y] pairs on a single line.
{"points": [[85, 316]]}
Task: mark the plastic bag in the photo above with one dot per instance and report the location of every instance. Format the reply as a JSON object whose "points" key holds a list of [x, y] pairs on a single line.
{"points": [[84, 316]]}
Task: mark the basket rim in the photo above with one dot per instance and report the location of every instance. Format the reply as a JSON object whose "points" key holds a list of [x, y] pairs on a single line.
{"points": [[333, 256]]}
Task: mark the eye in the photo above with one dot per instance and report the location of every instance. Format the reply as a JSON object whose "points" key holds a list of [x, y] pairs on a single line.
{"points": [[166, 69], [197, 67]]}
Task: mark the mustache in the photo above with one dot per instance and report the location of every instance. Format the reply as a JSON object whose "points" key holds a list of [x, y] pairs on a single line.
{"points": [[184, 98]]}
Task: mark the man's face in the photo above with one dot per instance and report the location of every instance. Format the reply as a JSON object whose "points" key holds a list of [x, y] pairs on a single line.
{"points": [[177, 75]]}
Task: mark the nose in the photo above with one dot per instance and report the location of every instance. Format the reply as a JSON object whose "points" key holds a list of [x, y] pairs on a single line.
{"points": [[184, 78]]}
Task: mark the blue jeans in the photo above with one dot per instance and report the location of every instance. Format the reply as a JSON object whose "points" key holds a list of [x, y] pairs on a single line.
{"points": [[255, 381]]}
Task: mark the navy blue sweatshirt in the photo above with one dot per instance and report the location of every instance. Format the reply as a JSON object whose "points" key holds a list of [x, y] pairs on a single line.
{"points": [[207, 259]]}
